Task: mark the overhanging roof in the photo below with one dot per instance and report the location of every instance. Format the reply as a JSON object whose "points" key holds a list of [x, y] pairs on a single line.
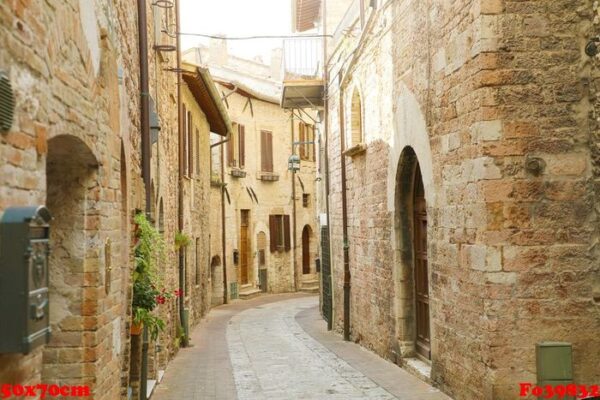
{"points": [[246, 91], [305, 13], [200, 83]]}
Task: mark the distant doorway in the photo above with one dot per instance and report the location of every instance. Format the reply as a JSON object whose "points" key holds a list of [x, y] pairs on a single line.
{"points": [[244, 246], [306, 234]]}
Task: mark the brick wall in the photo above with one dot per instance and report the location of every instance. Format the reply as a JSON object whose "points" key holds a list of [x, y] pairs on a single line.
{"points": [[480, 89]]}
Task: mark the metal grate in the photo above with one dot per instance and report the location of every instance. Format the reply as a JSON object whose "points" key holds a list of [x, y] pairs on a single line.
{"points": [[7, 103]]}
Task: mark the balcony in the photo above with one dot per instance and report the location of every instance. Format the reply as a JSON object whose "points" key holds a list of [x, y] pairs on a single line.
{"points": [[303, 85]]}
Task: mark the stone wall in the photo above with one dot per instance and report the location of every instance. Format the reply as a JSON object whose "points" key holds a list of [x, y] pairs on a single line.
{"points": [[484, 93]]}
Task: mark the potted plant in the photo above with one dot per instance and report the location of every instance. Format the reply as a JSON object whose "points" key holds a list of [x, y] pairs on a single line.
{"points": [[146, 297], [181, 240]]}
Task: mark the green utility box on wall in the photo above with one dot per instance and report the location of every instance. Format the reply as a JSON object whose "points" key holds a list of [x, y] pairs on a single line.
{"points": [[554, 363]]}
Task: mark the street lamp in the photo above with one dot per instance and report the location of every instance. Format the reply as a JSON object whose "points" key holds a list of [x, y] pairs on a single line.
{"points": [[294, 163]]}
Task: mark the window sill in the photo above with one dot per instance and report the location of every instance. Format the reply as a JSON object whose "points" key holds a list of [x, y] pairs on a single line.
{"points": [[237, 172], [355, 150], [268, 176]]}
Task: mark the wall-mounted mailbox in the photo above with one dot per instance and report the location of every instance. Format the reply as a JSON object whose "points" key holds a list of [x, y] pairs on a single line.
{"points": [[24, 308]]}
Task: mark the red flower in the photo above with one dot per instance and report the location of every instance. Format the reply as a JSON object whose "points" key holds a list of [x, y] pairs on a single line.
{"points": [[160, 299], [178, 293]]}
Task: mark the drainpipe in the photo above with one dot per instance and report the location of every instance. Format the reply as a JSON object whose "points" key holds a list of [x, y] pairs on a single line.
{"points": [[344, 221], [223, 230], [326, 155], [296, 285], [146, 154], [181, 250]]}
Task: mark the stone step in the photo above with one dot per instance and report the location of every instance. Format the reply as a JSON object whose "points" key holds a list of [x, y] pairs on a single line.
{"points": [[309, 289], [249, 292]]}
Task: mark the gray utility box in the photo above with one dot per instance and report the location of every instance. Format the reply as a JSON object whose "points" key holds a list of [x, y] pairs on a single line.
{"points": [[24, 308]]}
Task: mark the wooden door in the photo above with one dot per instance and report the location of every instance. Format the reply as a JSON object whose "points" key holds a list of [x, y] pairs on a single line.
{"points": [[306, 250], [244, 246], [423, 343]]}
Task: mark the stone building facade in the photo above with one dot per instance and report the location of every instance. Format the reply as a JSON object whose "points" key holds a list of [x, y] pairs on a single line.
{"points": [[74, 145], [470, 138], [263, 232]]}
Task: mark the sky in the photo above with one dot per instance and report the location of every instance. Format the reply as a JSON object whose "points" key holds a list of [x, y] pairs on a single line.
{"points": [[237, 18]]}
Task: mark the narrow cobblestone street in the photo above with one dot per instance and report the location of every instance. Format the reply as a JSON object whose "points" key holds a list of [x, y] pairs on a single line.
{"points": [[277, 347]]}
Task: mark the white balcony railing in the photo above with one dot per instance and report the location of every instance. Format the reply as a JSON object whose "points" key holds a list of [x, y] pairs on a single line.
{"points": [[302, 59]]}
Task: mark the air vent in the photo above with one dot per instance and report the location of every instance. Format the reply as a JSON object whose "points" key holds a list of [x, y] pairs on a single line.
{"points": [[7, 103]]}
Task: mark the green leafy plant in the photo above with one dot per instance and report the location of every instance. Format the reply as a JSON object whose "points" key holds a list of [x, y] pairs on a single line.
{"points": [[181, 240], [149, 251]]}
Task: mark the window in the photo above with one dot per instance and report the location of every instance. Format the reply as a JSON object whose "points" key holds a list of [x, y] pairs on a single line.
{"points": [[236, 147], [305, 200], [185, 139], [356, 119], [279, 228], [266, 151], [307, 134]]}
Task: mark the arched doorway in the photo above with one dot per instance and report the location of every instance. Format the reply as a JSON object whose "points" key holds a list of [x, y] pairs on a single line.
{"points": [[72, 198], [261, 246], [306, 250], [216, 279], [412, 277]]}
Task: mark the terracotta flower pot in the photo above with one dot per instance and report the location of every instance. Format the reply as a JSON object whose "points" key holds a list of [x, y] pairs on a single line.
{"points": [[136, 329]]}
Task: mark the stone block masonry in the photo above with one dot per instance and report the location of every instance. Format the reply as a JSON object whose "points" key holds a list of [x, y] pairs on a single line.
{"points": [[494, 100]]}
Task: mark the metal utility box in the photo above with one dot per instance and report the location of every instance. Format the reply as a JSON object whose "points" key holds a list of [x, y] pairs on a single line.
{"points": [[554, 363], [24, 309]]}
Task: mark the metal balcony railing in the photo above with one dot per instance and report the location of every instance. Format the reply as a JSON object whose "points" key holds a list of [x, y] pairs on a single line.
{"points": [[302, 59]]}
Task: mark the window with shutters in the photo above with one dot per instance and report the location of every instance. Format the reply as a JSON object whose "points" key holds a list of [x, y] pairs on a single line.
{"points": [[279, 229], [266, 151], [236, 147], [307, 139]]}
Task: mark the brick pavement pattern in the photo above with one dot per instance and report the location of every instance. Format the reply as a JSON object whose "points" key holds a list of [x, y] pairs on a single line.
{"points": [[276, 347]]}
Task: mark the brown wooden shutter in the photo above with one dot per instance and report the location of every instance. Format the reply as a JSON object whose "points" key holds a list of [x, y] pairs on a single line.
{"points": [[302, 139], [273, 232], [183, 138], [191, 145], [270, 151], [286, 232], [197, 151], [230, 144], [263, 151], [313, 145], [242, 139]]}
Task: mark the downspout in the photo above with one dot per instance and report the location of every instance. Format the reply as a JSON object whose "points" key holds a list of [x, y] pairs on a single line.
{"points": [[344, 221], [326, 155], [181, 250], [146, 154], [223, 230], [296, 285]]}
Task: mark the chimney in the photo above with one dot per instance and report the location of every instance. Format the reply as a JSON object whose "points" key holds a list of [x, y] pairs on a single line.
{"points": [[276, 67], [217, 51]]}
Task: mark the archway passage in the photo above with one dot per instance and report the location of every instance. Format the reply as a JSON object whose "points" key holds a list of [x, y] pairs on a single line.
{"points": [[72, 193], [423, 342], [306, 233]]}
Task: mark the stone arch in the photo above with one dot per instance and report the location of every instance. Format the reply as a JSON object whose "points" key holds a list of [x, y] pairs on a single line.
{"points": [[409, 145], [73, 195]]}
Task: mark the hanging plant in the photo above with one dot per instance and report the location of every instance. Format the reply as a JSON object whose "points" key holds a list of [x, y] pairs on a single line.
{"points": [[181, 240], [149, 252]]}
